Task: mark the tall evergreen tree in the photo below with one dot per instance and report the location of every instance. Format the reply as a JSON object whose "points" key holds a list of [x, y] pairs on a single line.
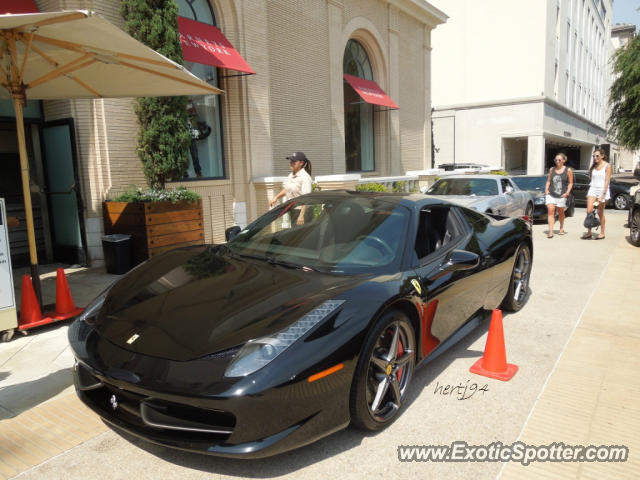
{"points": [[624, 121], [164, 138]]}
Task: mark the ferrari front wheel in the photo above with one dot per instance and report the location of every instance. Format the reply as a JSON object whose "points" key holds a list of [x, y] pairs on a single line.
{"points": [[519, 280], [383, 373]]}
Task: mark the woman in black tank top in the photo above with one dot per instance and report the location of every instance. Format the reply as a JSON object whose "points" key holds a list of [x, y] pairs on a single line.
{"points": [[557, 190]]}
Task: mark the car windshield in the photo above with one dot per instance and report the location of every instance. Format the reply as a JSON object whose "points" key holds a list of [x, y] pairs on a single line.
{"points": [[328, 233], [530, 183], [483, 187]]}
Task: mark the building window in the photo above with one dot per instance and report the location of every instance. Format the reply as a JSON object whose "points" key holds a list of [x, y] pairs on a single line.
{"points": [[206, 159], [358, 115]]}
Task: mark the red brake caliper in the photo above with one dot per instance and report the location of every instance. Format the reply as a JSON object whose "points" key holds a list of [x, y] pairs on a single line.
{"points": [[400, 352]]}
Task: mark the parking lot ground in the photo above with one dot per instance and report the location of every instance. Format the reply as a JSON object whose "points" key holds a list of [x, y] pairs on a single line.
{"points": [[576, 343]]}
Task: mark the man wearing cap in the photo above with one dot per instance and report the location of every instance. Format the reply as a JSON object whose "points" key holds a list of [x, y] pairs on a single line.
{"points": [[297, 183]]}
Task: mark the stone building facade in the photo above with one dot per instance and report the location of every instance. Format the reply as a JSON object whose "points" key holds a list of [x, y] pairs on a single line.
{"points": [[294, 102]]}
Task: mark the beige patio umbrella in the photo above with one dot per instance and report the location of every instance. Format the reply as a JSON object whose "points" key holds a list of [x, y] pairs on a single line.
{"points": [[78, 54]]}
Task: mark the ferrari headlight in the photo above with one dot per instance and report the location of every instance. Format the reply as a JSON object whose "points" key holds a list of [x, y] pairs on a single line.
{"points": [[257, 353], [539, 201], [94, 307]]}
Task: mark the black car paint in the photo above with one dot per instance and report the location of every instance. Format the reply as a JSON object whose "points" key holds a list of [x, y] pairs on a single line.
{"points": [[276, 408], [540, 212], [581, 187]]}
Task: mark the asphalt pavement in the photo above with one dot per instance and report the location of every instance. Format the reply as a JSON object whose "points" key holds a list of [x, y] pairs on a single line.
{"points": [[580, 320]]}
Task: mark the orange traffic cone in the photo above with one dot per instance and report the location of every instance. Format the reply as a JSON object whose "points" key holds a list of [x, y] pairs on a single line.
{"points": [[29, 307], [65, 308], [494, 362]]}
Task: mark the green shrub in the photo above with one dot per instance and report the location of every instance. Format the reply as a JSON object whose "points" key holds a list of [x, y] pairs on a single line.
{"points": [[399, 186], [172, 195], [164, 137], [499, 172], [371, 187]]}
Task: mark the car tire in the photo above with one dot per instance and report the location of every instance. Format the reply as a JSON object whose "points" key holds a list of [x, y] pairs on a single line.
{"points": [[518, 291], [571, 210], [382, 377], [634, 228], [621, 201], [528, 212]]}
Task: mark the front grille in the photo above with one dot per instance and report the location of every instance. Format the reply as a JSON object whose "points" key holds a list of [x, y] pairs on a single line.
{"points": [[158, 416]]}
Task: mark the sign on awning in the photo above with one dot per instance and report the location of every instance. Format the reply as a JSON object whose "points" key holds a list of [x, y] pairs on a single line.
{"points": [[206, 44], [18, 6], [370, 92]]}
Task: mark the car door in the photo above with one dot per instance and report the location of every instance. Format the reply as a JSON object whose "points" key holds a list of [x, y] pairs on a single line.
{"points": [[453, 296], [580, 187], [512, 199]]}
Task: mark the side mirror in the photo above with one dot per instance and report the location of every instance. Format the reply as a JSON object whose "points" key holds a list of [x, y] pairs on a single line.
{"points": [[508, 190], [460, 260], [231, 232]]}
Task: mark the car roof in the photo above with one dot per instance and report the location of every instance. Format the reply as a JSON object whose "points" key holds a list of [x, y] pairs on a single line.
{"points": [[487, 176], [406, 198]]}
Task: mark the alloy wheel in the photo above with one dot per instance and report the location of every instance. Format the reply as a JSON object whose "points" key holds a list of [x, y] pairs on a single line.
{"points": [[390, 370], [621, 202], [520, 277]]}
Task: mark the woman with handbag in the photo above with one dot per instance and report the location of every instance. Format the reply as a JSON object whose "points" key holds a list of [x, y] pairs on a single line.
{"points": [[557, 191], [598, 193]]}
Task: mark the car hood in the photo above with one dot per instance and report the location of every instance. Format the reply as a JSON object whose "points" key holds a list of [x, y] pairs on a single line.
{"points": [[464, 200], [535, 193], [190, 303]]}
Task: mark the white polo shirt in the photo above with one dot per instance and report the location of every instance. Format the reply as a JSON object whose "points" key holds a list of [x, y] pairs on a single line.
{"points": [[298, 184]]}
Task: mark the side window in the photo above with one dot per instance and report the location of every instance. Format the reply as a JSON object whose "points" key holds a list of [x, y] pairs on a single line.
{"points": [[437, 228], [505, 183]]}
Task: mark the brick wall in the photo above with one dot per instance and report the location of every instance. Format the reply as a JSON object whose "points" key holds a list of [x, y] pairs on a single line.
{"points": [[293, 103]]}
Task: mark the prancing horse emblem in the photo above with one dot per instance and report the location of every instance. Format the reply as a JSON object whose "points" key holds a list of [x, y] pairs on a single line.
{"points": [[113, 401]]}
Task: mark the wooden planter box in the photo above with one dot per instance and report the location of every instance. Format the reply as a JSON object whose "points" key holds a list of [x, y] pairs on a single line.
{"points": [[155, 227]]}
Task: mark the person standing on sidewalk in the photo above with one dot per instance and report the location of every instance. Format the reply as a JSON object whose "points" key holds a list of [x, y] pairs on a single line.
{"points": [[557, 191], [598, 194], [297, 183]]}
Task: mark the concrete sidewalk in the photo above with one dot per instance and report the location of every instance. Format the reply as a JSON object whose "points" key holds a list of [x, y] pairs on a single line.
{"points": [[593, 394], [590, 395], [37, 367]]}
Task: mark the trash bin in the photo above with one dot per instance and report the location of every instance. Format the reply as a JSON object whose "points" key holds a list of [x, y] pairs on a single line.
{"points": [[117, 253]]}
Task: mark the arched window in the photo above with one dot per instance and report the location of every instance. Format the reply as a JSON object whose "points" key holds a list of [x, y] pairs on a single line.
{"points": [[206, 159], [358, 115]]}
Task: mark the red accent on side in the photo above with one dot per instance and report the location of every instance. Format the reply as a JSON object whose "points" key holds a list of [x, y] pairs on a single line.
{"points": [[370, 91], [429, 342], [206, 44]]}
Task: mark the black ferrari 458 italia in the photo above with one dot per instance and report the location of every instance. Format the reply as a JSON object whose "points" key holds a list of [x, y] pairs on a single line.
{"points": [[309, 319]]}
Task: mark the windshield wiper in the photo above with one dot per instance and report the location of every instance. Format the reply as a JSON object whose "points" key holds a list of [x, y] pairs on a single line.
{"points": [[283, 263]]}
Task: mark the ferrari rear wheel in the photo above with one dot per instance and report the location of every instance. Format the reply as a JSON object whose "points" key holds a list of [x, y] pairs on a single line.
{"points": [[383, 373], [519, 280]]}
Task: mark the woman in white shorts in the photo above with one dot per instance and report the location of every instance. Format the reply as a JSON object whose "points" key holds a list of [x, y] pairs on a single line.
{"points": [[557, 190], [600, 172]]}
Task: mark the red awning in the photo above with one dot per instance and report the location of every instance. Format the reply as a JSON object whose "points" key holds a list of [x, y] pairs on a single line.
{"points": [[370, 91], [18, 6], [202, 43]]}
